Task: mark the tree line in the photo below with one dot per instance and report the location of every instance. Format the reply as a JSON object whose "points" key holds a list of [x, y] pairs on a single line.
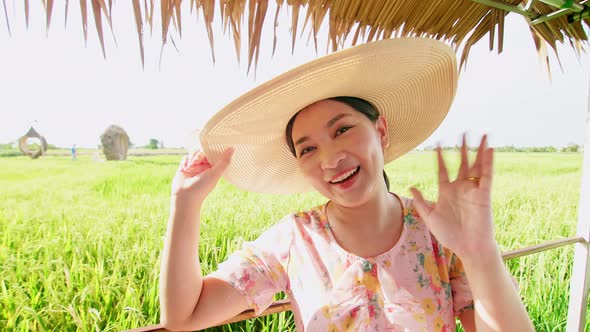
{"points": [[511, 148]]}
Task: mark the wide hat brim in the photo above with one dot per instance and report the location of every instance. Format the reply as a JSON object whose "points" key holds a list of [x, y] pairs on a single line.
{"points": [[411, 82]]}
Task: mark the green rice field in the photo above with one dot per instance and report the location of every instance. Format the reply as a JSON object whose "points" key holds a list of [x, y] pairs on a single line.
{"points": [[80, 241]]}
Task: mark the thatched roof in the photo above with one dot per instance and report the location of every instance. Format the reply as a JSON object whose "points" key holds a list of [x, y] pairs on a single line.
{"points": [[462, 23]]}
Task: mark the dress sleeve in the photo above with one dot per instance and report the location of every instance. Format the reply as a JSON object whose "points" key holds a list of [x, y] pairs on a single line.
{"points": [[462, 296], [258, 270]]}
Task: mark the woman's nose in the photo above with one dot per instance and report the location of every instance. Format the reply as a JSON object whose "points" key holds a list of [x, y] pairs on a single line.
{"points": [[331, 159]]}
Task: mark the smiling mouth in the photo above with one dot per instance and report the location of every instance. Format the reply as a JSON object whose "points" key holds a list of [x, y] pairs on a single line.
{"points": [[346, 176]]}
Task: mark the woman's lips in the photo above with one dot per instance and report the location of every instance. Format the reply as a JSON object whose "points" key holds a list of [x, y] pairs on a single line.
{"points": [[345, 176]]}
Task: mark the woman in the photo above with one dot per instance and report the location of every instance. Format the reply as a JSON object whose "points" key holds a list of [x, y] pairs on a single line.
{"points": [[367, 259]]}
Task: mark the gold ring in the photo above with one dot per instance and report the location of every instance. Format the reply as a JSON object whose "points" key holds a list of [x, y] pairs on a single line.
{"points": [[473, 178]]}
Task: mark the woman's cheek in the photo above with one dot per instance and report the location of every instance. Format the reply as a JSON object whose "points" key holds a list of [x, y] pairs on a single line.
{"points": [[306, 165]]}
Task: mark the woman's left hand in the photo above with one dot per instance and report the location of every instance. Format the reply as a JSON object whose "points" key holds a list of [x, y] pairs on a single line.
{"points": [[461, 219]]}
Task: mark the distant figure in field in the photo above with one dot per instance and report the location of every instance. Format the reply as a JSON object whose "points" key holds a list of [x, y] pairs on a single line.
{"points": [[74, 156]]}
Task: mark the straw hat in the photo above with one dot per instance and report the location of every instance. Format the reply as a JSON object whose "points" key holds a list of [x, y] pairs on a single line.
{"points": [[411, 82]]}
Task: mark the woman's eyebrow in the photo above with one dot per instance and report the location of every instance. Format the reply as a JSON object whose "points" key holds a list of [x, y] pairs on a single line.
{"points": [[301, 140], [336, 118]]}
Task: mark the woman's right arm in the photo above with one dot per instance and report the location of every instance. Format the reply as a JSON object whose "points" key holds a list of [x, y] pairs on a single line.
{"points": [[462, 220], [187, 300]]}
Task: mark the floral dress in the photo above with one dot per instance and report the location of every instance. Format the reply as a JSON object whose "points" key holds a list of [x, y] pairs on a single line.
{"points": [[417, 285]]}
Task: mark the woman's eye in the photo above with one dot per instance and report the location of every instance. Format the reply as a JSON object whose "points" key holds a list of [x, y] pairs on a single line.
{"points": [[306, 150], [342, 130]]}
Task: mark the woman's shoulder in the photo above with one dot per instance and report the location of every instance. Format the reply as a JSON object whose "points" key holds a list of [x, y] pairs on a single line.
{"points": [[312, 221]]}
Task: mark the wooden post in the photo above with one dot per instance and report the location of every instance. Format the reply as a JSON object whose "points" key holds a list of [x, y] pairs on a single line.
{"points": [[580, 281]]}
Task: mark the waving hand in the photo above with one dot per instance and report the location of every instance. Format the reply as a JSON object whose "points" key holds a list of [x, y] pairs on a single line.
{"points": [[462, 217]]}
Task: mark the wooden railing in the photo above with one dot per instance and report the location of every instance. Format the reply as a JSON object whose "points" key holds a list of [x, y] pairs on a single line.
{"points": [[285, 305]]}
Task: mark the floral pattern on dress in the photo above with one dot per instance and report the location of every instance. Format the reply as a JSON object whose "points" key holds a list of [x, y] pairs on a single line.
{"points": [[417, 285]]}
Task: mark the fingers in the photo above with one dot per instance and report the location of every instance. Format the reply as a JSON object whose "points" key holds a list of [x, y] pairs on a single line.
{"points": [[195, 169], [421, 205], [476, 168], [464, 167], [197, 157], [482, 145], [484, 159], [443, 174], [183, 163], [191, 160], [197, 163], [487, 169]]}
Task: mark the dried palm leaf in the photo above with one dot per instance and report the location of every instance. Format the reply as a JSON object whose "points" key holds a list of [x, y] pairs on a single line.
{"points": [[139, 24], [106, 11], [26, 13], [98, 23], [461, 23], [149, 15], [540, 44], [84, 13], [66, 14], [48, 12], [177, 16], [231, 11], [276, 25], [6, 17], [258, 21], [294, 20], [165, 11], [208, 7]]}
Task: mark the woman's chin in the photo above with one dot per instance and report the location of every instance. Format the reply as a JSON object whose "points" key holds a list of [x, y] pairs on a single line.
{"points": [[354, 192], [349, 199]]}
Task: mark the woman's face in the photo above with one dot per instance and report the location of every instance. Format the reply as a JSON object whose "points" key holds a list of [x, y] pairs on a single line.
{"points": [[340, 151]]}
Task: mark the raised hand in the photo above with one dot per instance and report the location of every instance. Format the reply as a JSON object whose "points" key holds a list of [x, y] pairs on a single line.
{"points": [[196, 177], [461, 219]]}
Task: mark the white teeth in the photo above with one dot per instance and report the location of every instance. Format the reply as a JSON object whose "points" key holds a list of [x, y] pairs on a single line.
{"points": [[344, 176]]}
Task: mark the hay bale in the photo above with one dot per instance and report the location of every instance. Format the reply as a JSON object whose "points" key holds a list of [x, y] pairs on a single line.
{"points": [[115, 143], [22, 144]]}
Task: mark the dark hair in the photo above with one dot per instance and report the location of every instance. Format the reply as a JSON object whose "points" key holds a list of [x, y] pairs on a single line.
{"points": [[358, 104]]}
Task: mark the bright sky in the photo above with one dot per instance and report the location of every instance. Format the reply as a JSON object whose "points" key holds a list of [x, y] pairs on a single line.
{"points": [[71, 94]]}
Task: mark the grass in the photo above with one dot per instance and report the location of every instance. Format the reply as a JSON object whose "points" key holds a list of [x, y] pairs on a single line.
{"points": [[80, 240]]}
